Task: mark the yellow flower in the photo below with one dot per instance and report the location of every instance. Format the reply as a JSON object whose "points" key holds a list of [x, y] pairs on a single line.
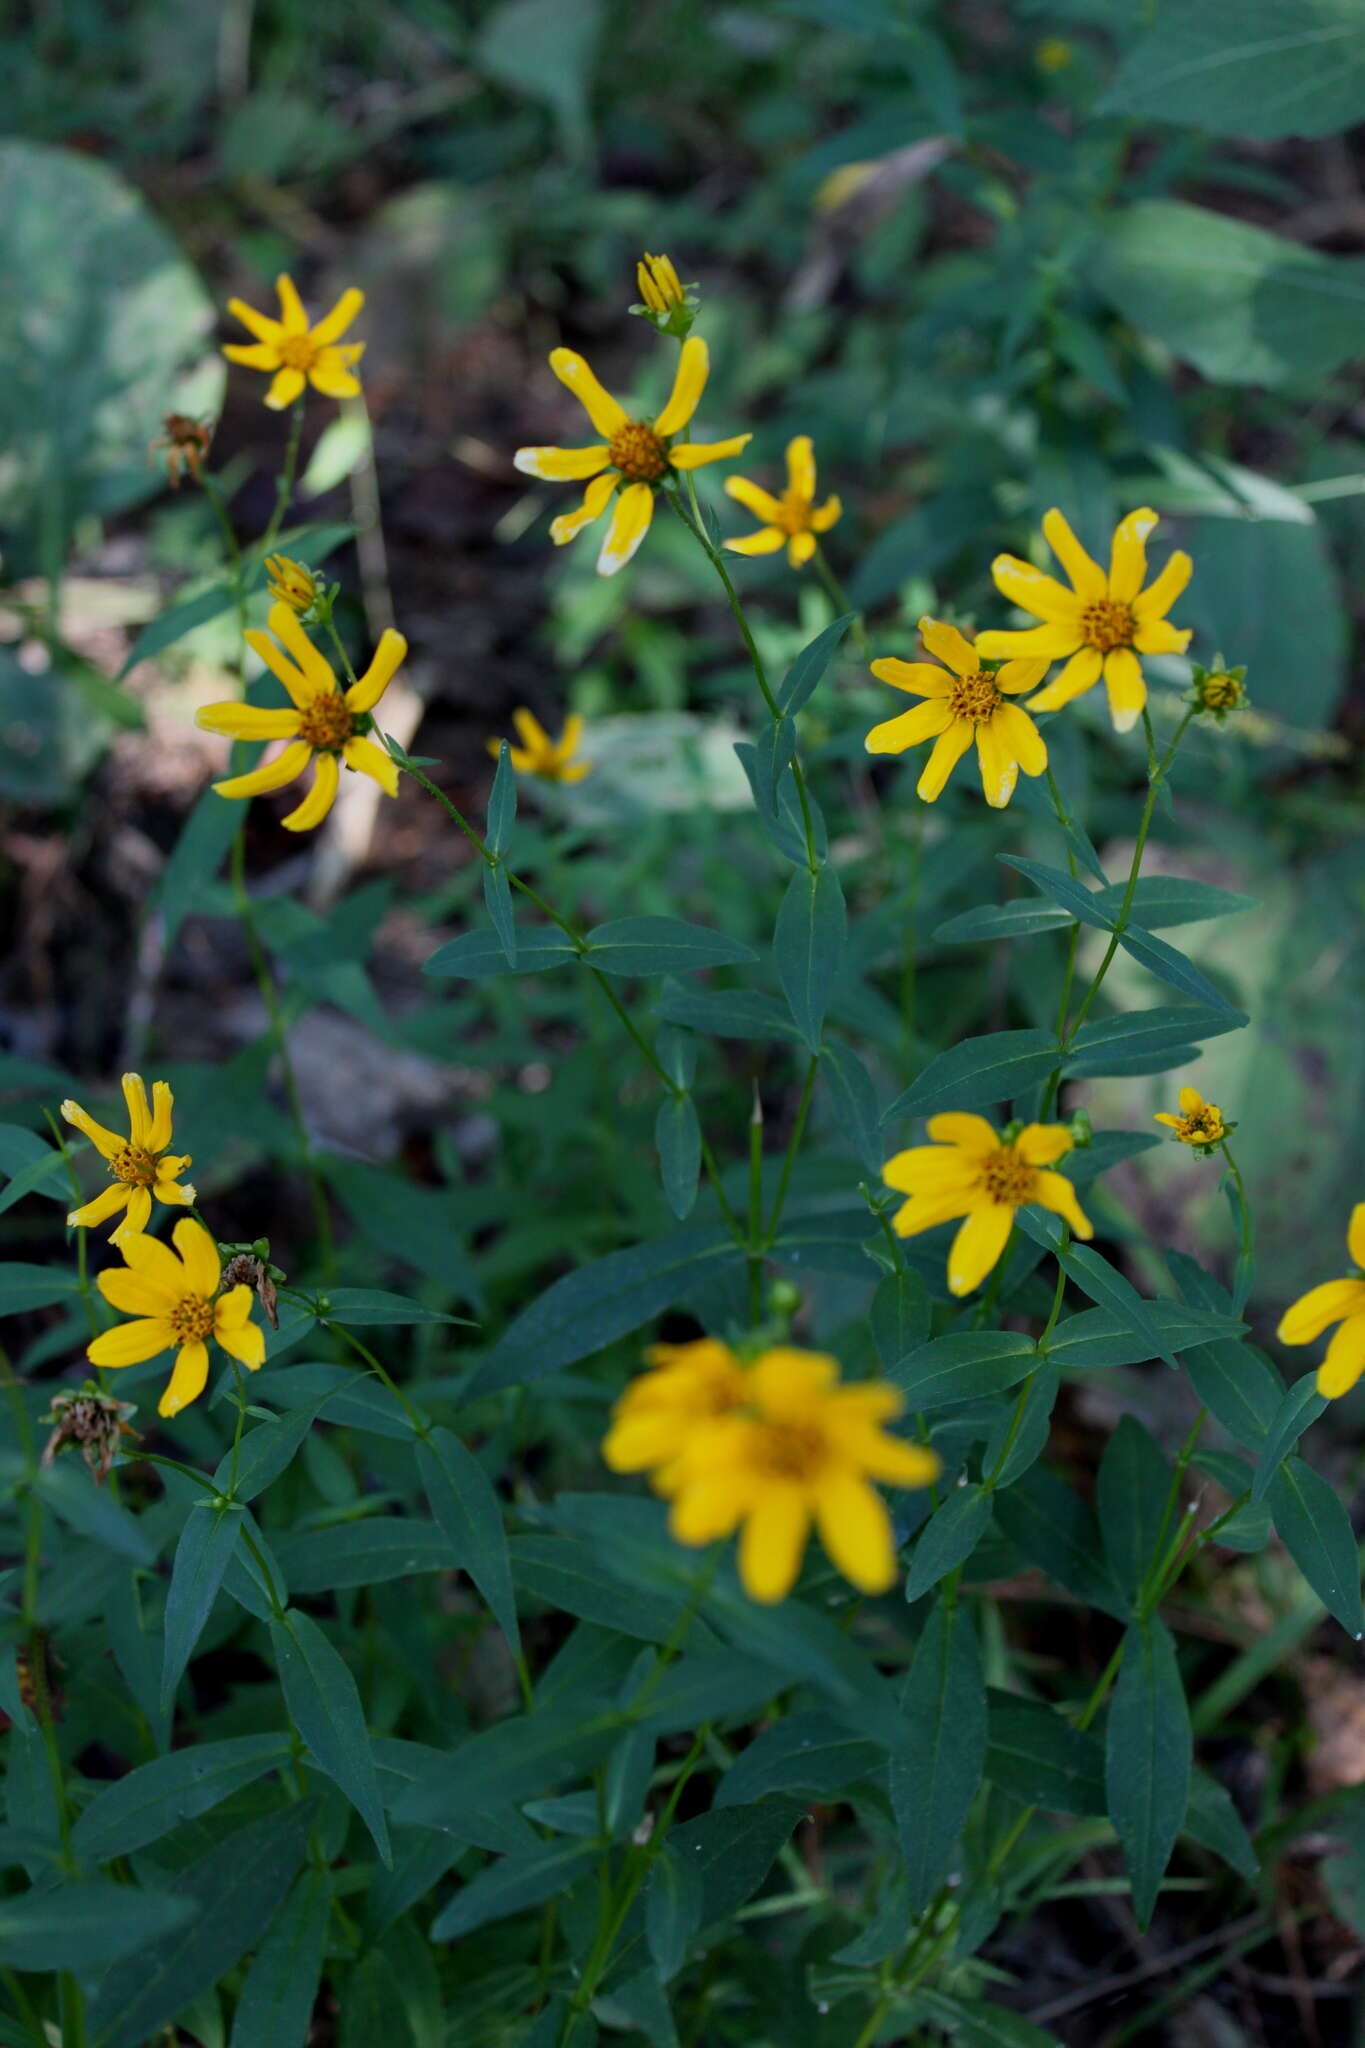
{"points": [[659, 285], [1052, 54], [794, 517], [326, 725], [651, 1423], [538, 754], [968, 704], [634, 457], [140, 1165], [178, 1306], [297, 353], [971, 1171], [1103, 622], [771, 1448], [1336, 1301], [291, 583], [1199, 1122]]}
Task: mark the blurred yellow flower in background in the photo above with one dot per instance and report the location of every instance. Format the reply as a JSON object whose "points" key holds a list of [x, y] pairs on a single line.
{"points": [[965, 705], [970, 1170], [1199, 1122], [538, 754], [1102, 623], [326, 724], [794, 518], [1335, 1301], [297, 353], [174, 1295], [141, 1165], [688, 1384], [633, 458]]}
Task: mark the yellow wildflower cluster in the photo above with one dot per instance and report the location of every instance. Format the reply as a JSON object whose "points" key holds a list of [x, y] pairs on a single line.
{"points": [[769, 1447]]}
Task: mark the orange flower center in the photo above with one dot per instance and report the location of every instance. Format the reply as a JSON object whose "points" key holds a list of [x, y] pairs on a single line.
{"points": [[327, 723], [787, 1450], [1107, 624], [191, 1319], [638, 453], [135, 1166], [1008, 1179], [297, 352], [1202, 1126], [974, 697]]}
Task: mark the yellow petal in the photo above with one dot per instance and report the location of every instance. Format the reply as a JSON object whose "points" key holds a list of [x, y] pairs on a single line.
{"points": [[1345, 1359], [302, 688], [629, 525], [772, 1542], [1159, 636], [761, 503], [293, 319], [139, 1215], [188, 1380], [106, 1143], [1017, 676], [284, 389], [530, 731], [1123, 679], [999, 769], [1355, 1234], [1043, 1144], [826, 515], [709, 1506], [1022, 738], [766, 541], [157, 1263], [273, 775], [368, 759], [1034, 592], [949, 748], [310, 660], [897, 1463], [1080, 674], [332, 378], [932, 1169], [800, 548], [198, 1256], [1156, 600], [385, 662], [977, 1246], [789, 1385], [694, 364], [256, 355], [856, 1531], [1128, 557], [801, 467], [246, 721], [561, 465], [924, 722], [608, 417], [926, 1212], [1312, 1313], [259, 324], [1047, 642], [175, 1195], [334, 324], [696, 454], [1055, 1192], [244, 1341], [919, 678], [948, 645], [133, 1294], [320, 798], [1086, 575], [131, 1343], [1190, 1101], [107, 1203], [595, 501], [962, 1127]]}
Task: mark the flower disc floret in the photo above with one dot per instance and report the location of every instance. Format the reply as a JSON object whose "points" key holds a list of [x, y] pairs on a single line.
{"points": [[966, 704], [969, 1170], [1199, 1122], [141, 1166], [1335, 1301]]}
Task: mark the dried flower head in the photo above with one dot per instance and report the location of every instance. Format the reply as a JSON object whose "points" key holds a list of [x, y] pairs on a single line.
{"points": [[92, 1419], [184, 441]]}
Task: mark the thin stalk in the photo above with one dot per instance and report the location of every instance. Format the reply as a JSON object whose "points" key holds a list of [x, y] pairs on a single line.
{"points": [[756, 1209], [284, 488], [82, 1267], [839, 598], [793, 1147]]}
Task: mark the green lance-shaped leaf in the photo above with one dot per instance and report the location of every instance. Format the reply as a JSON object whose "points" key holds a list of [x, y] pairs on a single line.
{"points": [[855, 1099], [977, 1073], [1134, 1488], [1095, 1276], [1302, 1405], [206, 1544], [948, 1539], [673, 1908], [464, 1503], [1171, 966], [1070, 895], [480, 956], [808, 947], [24, 1286], [992, 921], [1096, 1338], [1147, 1758], [1316, 1530], [1056, 1531], [236, 1889], [937, 1765], [806, 671], [369, 1552], [1013, 1446], [497, 896], [324, 1706], [155, 1797], [901, 1316], [1213, 1821], [726, 1013], [1035, 1754], [661, 945], [809, 1754], [502, 801], [975, 2023], [513, 1884], [85, 1925], [275, 2008], [677, 1137], [966, 1365], [1161, 900]]}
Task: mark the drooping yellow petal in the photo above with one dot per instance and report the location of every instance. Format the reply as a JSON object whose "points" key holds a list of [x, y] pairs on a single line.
{"points": [[334, 324], [320, 798], [948, 645], [856, 1531], [1314, 1312], [962, 1127], [696, 454], [1055, 1192], [909, 728], [595, 501], [607, 415], [107, 1203], [274, 774], [1345, 1359], [689, 381], [772, 1542], [1043, 1144], [285, 387], [385, 662], [330, 375], [176, 1195], [1033, 591], [131, 1343], [133, 1294], [1022, 738], [242, 1340], [754, 499], [562, 465], [766, 541], [1048, 642], [949, 748], [1128, 557], [800, 548], [259, 324], [629, 525], [1123, 679], [978, 1245], [826, 515], [1156, 600], [1086, 575], [1355, 1234], [919, 678], [801, 467], [138, 1216], [106, 1143], [926, 1212], [1080, 674], [188, 1380], [710, 1506], [198, 1256], [246, 721], [368, 759], [999, 769]]}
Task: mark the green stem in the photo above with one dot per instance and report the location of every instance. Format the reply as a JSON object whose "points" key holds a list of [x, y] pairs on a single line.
{"points": [[1074, 935], [284, 488], [1242, 1280], [838, 597], [755, 1253], [420, 1426], [793, 1147]]}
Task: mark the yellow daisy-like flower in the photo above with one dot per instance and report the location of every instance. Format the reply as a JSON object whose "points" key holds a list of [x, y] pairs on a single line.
{"points": [[1102, 623], [140, 1166], [1336, 1301], [1199, 1122], [794, 519], [538, 754], [965, 705], [297, 353], [652, 1422], [178, 1305], [291, 583], [633, 457], [770, 1449], [971, 1171], [326, 725]]}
